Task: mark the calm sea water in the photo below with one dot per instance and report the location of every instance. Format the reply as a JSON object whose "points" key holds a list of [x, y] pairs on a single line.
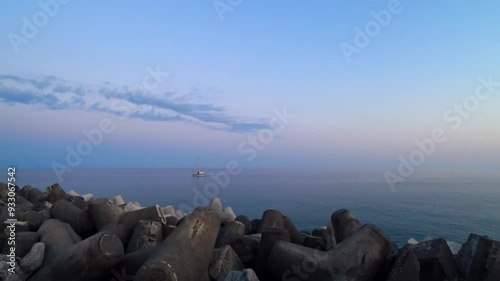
{"points": [[450, 208]]}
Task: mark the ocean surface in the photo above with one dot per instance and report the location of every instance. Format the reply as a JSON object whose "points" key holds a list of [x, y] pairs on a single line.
{"points": [[449, 207]]}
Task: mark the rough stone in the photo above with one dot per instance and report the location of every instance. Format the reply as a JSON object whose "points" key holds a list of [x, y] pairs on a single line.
{"points": [[247, 249], [25, 241], [271, 219], [252, 227], [33, 260], [147, 234], [358, 258], [186, 253], [436, 260], [406, 267], [243, 219], [55, 193], [229, 231], [227, 215], [344, 224], [33, 219], [90, 259], [224, 260], [245, 275], [295, 236], [479, 259]]}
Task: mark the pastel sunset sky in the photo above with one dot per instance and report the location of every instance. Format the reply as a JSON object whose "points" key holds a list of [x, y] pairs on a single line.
{"points": [[360, 82]]}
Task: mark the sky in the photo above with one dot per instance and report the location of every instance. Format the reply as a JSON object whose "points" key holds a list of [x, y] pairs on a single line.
{"points": [[269, 84]]}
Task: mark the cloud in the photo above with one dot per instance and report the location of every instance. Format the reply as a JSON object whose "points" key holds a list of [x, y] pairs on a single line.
{"points": [[52, 93]]}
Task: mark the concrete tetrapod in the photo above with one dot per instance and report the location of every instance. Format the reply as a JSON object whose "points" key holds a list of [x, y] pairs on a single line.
{"points": [[78, 219], [147, 234], [344, 224], [88, 260], [57, 237], [186, 253], [104, 213], [124, 228], [357, 258]]}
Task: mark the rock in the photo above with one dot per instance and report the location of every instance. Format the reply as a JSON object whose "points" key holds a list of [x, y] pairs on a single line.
{"points": [[25, 191], [224, 260], [326, 235], [315, 242], [147, 234], [185, 254], [247, 249], [295, 236], [130, 207], [229, 232], [132, 262], [252, 227], [58, 237], [88, 197], [387, 265], [169, 211], [44, 215], [126, 223], [227, 215], [269, 237], [5, 275], [55, 193], [72, 193], [118, 200], [344, 224], [216, 205], [104, 213], [42, 206], [479, 259], [358, 258], [406, 267], [171, 220], [33, 219], [23, 205], [454, 247], [79, 219], [412, 241], [90, 259], [36, 196], [77, 201], [33, 260], [271, 219], [436, 260], [179, 215], [167, 230], [245, 275], [24, 242], [243, 219], [428, 238]]}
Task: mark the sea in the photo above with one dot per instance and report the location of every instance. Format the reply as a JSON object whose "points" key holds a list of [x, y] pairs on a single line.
{"points": [[449, 206]]}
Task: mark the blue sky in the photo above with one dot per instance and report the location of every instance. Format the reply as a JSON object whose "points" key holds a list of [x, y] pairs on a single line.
{"points": [[220, 79]]}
